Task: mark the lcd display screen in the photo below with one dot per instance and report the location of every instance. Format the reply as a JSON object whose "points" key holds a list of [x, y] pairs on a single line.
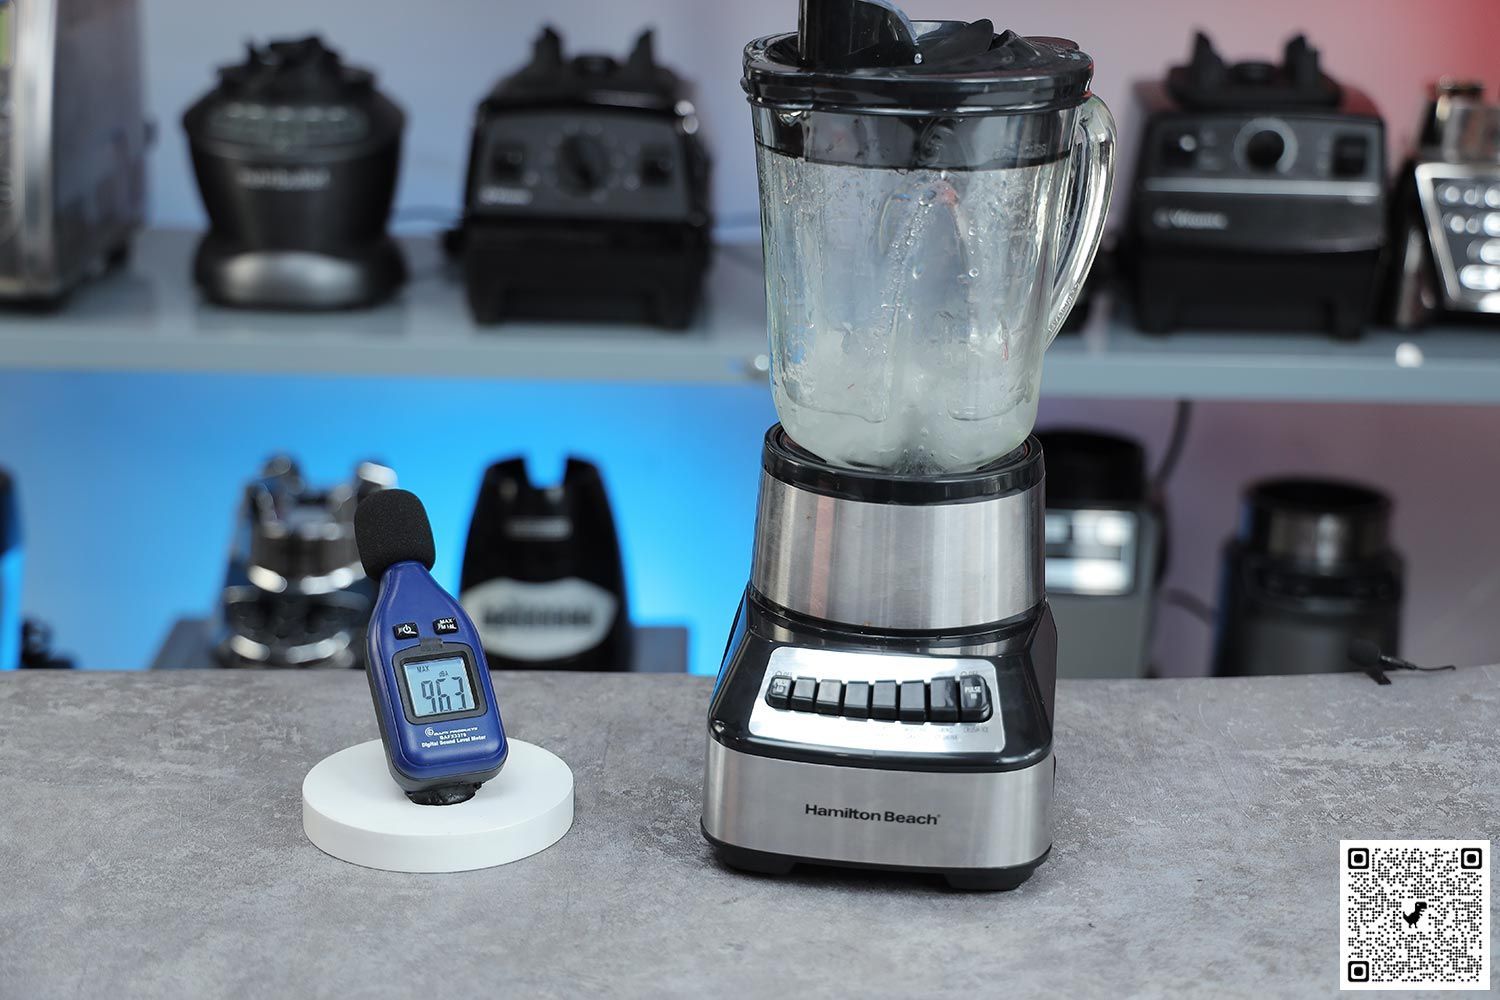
{"points": [[437, 687]]}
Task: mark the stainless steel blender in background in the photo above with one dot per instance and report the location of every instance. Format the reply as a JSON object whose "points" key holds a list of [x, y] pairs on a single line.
{"points": [[295, 594], [932, 193]]}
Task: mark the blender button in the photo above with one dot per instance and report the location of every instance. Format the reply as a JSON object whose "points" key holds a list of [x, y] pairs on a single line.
{"points": [[913, 701], [804, 693], [779, 691], [973, 698], [830, 697], [1480, 278], [883, 700], [1492, 197], [1449, 194], [1455, 223], [1492, 224], [944, 704], [857, 700], [1490, 252], [1471, 196]]}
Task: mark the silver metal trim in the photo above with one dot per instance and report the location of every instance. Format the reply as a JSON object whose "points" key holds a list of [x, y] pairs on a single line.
{"points": [[31, 142], [987, 819], [799, 728], [1353, 190], [1428, 175], [898, 566], [1088, 563]]}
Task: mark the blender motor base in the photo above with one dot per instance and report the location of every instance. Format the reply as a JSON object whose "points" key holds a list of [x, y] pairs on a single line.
{"points": [[965, 879]]}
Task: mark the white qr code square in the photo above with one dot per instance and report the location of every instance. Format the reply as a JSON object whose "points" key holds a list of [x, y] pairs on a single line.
{"points": [[1414, 914]]}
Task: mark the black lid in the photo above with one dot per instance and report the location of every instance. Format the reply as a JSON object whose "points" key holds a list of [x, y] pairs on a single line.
{"points": [[638, 81], [857, 54], [1092, 467], [1209, 82], [289, 70]]}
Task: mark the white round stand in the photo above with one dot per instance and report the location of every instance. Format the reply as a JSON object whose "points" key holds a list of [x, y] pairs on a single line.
{"points": [[353, 810]]}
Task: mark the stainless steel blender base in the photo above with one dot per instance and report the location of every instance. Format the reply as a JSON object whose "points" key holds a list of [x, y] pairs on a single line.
{"points": [[982, 830]]}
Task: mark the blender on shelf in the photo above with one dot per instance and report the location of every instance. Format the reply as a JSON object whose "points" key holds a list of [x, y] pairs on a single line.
{"points": [[1446, 238], [295, 594], [886, 697]]}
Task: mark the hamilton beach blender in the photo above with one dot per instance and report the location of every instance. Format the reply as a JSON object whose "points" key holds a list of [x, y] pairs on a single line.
{"points": [[932, 195]]}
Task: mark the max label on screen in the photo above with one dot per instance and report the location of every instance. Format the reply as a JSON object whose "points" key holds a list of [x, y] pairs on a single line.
{"points": [[886, 816]]}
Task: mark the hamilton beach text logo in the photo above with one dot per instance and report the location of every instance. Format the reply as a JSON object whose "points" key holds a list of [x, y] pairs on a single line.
{"points": [[284, 179], [887, 816], [1184, 218]]}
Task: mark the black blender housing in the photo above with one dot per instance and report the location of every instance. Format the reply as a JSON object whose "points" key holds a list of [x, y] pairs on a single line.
{"points": [[1259, 198], [1310, 570], [296, 153], [530, 534], [587, 192]]}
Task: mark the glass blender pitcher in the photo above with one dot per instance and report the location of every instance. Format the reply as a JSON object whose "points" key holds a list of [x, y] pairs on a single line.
{"points": [[932, 196]]}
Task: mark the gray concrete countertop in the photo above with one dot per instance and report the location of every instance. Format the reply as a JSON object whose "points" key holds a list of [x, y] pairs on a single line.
{"points": [[151, 845]]}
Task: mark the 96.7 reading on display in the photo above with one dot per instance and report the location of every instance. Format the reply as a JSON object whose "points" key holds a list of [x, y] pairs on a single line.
{"points": [[437, 687]]}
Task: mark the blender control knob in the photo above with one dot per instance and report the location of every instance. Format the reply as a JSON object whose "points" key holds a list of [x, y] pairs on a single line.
{"points": [[1264, 149], [582, 164]]}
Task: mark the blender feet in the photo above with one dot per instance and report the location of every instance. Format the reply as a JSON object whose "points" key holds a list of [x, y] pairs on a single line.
{"points": [[755, 862]]}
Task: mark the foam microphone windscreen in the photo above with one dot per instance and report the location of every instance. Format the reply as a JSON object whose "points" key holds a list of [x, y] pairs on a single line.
{"points": [[390, 526]]}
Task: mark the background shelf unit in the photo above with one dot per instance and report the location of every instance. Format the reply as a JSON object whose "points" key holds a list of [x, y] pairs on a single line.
{"points": [[149, 317]]}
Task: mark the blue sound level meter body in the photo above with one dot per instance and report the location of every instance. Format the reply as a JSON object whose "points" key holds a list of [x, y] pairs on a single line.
{"points": [[433, 699]]}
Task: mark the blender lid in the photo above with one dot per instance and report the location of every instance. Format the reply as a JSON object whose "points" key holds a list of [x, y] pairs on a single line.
{"points": [[1208, 82], [867, 54], [289, 70]]}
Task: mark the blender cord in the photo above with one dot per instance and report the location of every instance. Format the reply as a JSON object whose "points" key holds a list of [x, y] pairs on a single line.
{"points": [[1182, 419]]}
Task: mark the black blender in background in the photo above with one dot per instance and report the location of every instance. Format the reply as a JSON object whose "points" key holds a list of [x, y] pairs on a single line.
{"points": [[587, 194], [24, 642], [296, 157], [1310, 571], [542, 576], [10, 575], [1104, 551]]}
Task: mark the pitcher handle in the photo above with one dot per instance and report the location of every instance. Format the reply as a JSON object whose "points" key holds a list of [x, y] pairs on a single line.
{"points": [[1094, 168]]}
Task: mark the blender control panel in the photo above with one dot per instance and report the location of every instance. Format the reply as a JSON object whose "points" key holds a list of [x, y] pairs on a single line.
{"points": [[879, 702], [1461, 203]]}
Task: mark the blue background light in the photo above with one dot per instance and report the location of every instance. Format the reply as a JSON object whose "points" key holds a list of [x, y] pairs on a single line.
{"points": [[129, 483]]}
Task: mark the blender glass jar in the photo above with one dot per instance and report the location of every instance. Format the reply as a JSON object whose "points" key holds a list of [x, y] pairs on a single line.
{"points": [[932, 195]]}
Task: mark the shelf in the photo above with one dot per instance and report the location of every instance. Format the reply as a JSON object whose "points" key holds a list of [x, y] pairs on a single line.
{"points": [[150, 318]]}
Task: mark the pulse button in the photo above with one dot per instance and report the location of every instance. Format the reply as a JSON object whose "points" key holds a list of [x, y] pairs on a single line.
{"points": [[883, 701], [779, 692], [973, 698]]}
